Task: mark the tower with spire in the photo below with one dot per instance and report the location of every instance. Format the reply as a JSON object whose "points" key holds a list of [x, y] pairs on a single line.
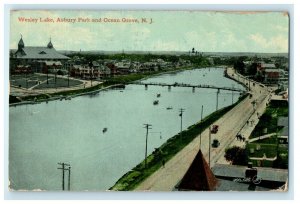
{"points": [[21, 44], [50, 45]]}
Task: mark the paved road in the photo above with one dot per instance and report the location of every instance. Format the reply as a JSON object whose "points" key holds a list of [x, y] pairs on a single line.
{"points": [[230, 124]]}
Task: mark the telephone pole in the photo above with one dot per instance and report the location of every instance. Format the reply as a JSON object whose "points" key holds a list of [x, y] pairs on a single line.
{"points": [[69, 177], [201, 121], [181, 110], [148, 127], [217, 99], [249, 84], [65, 167], [209, 134], [232, 96]]}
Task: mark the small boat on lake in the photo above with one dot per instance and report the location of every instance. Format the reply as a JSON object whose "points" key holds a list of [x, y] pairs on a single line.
{"points": [[158, 95], [104, 130], [155, 102], [169, 108]]}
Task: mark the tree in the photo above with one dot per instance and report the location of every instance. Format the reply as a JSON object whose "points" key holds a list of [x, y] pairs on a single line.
{"points": [[252, 69], [236, 155], [239, 65]]}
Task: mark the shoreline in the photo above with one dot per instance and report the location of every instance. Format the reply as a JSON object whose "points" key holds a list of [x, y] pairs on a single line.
{"points": [[63, 94]]}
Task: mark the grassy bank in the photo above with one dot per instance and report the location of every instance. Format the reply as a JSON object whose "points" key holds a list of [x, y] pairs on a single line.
{"points": [[42, 97], [172, 146]]}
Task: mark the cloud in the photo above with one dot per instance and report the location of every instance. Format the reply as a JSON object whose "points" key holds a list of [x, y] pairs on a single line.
{"points": [[277, 43], [281, 28], [165, 46]]}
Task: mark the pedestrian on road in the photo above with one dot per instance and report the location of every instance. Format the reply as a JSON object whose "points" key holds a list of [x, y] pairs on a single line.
{"points": [[163, 163]]}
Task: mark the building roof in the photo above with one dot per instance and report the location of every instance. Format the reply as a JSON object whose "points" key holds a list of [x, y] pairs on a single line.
{"points": [[283, 121], [51, 63], [266, 174], [228, 185], [21, 43], [264, 65], [274, 70], [199, 176], [284, 131], [39, 53]]}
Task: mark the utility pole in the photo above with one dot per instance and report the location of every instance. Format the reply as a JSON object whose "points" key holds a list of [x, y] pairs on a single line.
{"points": [[217, 99], [232, 96], [69, 177], [209, 134], [181, 110], [148, 127], [249, 84], [63, 168], [201, 121]]}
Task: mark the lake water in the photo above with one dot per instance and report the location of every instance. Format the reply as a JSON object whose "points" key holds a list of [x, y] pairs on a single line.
{"points": [[70, 131]]}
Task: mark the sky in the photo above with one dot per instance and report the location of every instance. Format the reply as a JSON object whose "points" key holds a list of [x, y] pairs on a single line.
{"points": [[169, 31]]}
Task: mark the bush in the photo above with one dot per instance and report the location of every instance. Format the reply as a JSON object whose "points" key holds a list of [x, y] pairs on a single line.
{"points": [[236, 155]]}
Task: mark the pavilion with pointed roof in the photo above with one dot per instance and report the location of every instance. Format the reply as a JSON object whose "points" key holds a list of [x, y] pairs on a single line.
{"points": [[37, 56], [198, 177], [28, 53]]}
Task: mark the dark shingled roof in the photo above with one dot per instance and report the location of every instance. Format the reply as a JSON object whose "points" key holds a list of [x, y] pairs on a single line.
{"points": [[284, 131], [283, 121], [39, 53], [227, 185], [198, 177], [267, 174]]}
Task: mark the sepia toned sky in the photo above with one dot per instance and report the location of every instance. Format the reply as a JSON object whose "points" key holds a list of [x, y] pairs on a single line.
{"points": [[169, 31]]}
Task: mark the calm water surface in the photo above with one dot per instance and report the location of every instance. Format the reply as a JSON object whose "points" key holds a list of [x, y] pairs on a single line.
{"points": [[70, 131]]}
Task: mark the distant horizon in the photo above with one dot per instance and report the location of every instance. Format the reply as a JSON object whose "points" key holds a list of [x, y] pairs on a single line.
{"points": [[169, 51], [155, 51]]}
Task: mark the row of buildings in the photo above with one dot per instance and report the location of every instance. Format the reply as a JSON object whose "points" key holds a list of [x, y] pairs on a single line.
{"points": [[271, 72], [29, 59]]}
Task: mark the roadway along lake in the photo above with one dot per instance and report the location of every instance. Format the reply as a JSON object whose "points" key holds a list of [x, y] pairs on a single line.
{"points": [[71, 131]]}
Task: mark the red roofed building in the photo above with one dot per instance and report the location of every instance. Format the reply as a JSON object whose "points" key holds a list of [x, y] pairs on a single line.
{"points": [[198, 177]]}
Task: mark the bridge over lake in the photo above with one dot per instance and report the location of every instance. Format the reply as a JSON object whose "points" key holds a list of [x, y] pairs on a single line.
{"points": [[146, 84]]}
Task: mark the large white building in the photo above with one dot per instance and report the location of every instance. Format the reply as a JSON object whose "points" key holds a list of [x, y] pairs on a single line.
{"points": [[39, 58]]}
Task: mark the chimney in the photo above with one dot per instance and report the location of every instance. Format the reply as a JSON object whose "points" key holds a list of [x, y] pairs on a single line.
{"points": [[250, 171]]}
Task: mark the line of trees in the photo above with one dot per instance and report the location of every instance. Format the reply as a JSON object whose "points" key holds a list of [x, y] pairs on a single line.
{"points": [[196, 60]]}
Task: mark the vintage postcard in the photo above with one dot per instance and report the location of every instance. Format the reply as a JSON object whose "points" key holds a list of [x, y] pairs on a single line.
{"points": [[148, 100]]}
